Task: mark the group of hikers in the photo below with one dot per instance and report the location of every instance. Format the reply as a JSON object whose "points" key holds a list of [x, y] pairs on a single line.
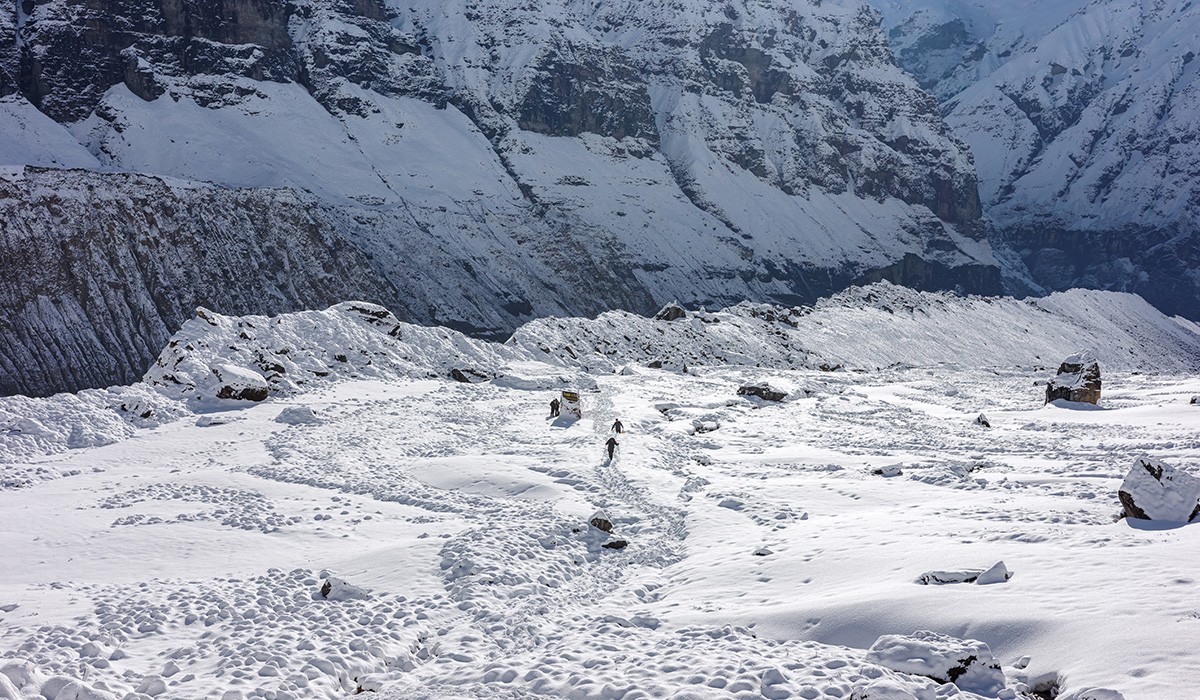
{"points": [[617, 428]]}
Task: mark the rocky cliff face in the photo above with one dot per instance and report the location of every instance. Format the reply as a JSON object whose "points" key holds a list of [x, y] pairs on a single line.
{"points": [[1081, 117], [472, 164]]}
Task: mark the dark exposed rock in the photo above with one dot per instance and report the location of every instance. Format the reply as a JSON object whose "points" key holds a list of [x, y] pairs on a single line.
{"points": [[983, 421], [615, 544], [468, 376], [601, 522], [670, 312], [579, 88], [762, 391], [1078, 380]]}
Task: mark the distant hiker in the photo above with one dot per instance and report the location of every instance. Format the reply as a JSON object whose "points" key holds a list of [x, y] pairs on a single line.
{"points": [[554, 404], [617, 426], [612, 446]]}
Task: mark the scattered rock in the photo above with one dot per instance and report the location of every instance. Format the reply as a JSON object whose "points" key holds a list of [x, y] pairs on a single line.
{"points": [[983, 420], [966, 663], [1156, 491], [997, 573], [601, 522], [615, 544], [671, 312], [763, 552], [1195, 401], [297, 415], [208, 421], [468, 376], [1092, 694], [826, 367], [336, 589], [889, 470], [762, 391], [1078, 380], [239, 384]]}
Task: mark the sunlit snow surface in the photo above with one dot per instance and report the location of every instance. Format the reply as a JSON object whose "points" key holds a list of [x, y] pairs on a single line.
{"points": [[186, 560]]}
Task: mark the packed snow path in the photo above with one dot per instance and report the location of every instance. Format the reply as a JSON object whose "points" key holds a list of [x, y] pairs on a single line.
{"points": [[764, 555]]}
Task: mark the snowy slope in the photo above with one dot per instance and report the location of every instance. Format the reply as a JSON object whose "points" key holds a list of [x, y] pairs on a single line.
{"points": [[1081, 118], [182, 550], [881, 326]]}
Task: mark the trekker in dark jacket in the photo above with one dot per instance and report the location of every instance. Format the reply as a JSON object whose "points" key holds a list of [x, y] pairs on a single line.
{"points": [[554, 404], [612, 446], [617, 426]]}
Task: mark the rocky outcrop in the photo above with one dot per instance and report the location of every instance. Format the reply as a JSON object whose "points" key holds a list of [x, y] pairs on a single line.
{"points": [[1153, 490], [1077, 380], [101, 269]]}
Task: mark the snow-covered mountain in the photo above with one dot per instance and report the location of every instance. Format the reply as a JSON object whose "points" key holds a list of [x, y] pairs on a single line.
{"points": [[477, 164], [1081, 115]]}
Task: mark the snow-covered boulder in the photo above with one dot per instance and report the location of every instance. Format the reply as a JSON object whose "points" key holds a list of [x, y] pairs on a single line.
{"points": [[1092, 694], [1078, 380], [297, 415], [996, 573], [966, 663], [982, 420], [763, 391], [671, 312], [337, 589], [466, 375], [238, 383], [889, 470], [1153, 490], [1195, 401]]}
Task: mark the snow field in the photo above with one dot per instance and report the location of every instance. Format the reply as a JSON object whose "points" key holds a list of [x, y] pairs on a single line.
{"points": [[763, 560]]}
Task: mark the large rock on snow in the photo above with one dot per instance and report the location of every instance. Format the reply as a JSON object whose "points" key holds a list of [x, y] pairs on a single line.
{"points": [[1153, 490], [997, 573], [1078, 380], [670, 312], [967, 663], [334, 588], [763, 391], [601, 521], [239, 383]]}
